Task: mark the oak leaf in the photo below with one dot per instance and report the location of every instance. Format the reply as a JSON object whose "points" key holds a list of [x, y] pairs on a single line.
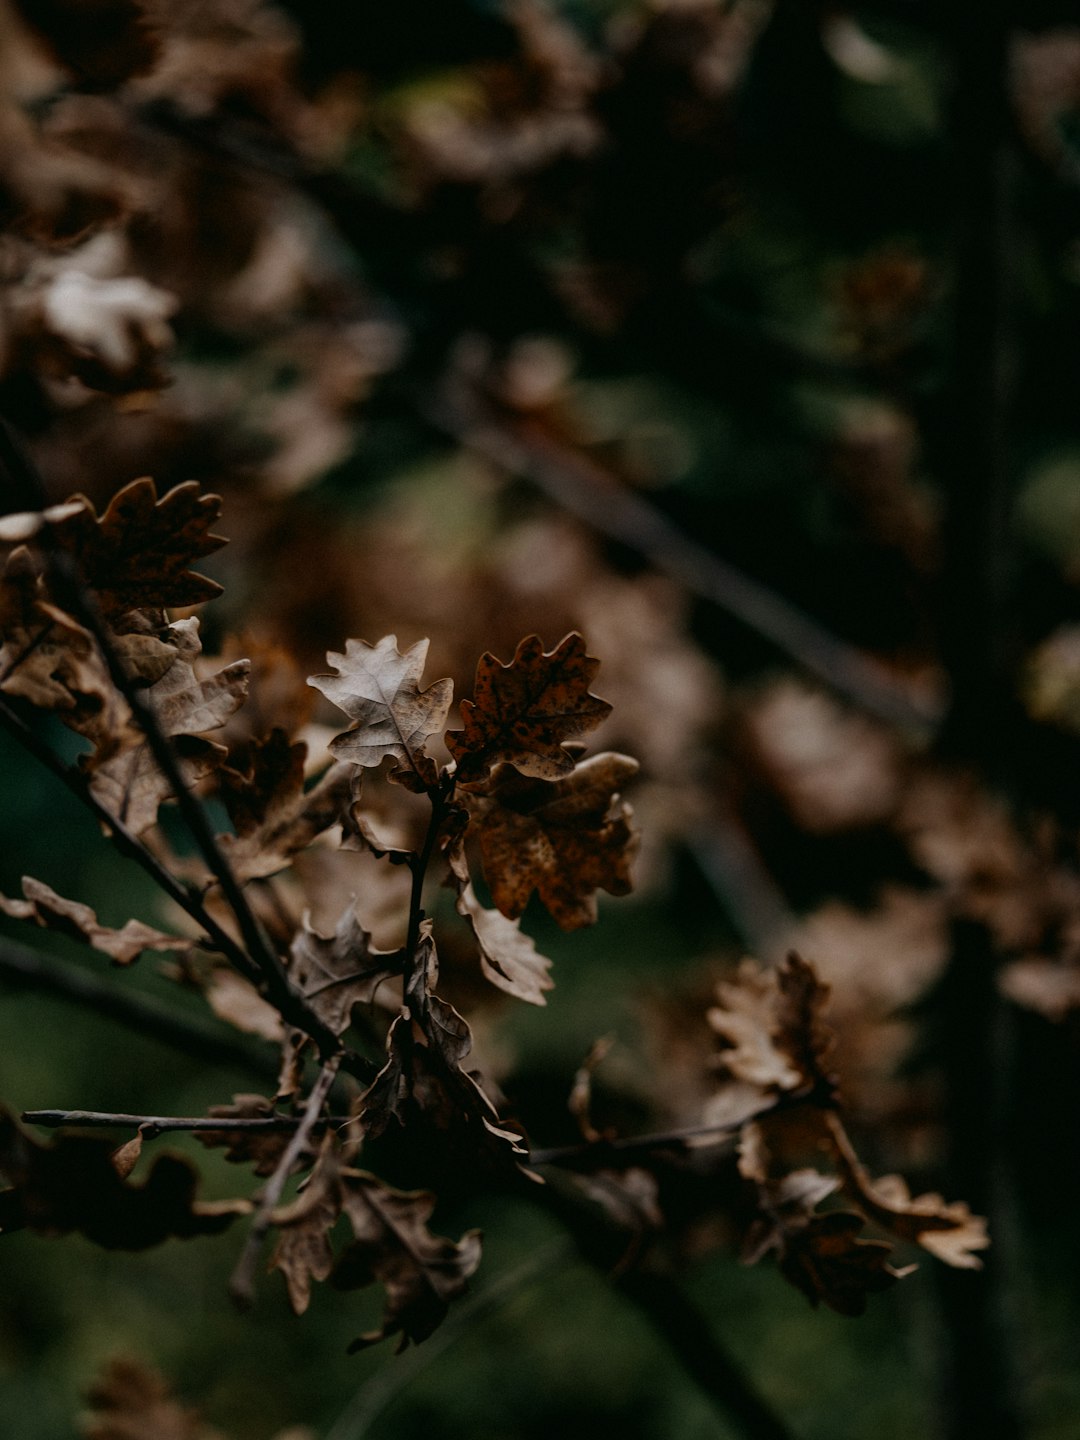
{"points": [[69, 917], [272, 814], [303, 1252], [379, 689], [73, 1185], [423, 1085], [124, 775], [1045, 986], [826, 1260], [236, 1000], [947, 1230], [421, 1272], [820, 1254], [138, 554], [508, 957], [335, 972], [523, 712], [46, 658], [773, 1026], [564, 839]]}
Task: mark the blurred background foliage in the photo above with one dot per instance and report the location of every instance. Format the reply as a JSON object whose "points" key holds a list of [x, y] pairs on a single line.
{"points": [[638, 317]]}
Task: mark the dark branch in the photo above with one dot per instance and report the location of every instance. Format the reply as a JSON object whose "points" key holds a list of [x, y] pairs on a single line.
{"points": [[27, 969], [129, 844], [589, 492], [160, 1124]]}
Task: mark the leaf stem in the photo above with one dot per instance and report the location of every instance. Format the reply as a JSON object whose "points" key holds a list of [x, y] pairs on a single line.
{"points": [[415, 990], [242, 1284]]}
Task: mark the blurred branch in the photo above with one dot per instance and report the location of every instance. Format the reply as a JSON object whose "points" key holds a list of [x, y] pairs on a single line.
{"points": [[688, 1333], [682, 1327], [980, 1390], [372, 1398], [599, 1152], [27, 969], [977, 627], [729, 861], [589, 492]]}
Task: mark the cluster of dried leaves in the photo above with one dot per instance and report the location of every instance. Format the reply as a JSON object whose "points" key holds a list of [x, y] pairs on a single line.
{"points": [[314, 921], [507, 798]]}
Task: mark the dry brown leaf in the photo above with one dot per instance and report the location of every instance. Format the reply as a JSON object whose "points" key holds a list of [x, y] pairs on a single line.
{"points": [[523, 712], [126, 1157], [303, 1252], [833, 768], [421, 1272], [131, 1401], [877, 962], [379, 689], [234, 999], [827, 1261], [46, 658], [69, 917], [138, 554], [127, 779], [83, 315], [772, 1022], [949, 1231], [72, 1184], [273, 815], [820, 1254], [508, 958], [261, 1149], [424, 1085], [1048, 987], [335, 972], [359, 832], [564, 839]]}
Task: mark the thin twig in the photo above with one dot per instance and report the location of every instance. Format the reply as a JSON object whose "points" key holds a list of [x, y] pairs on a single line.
{"points": [[216, 938], [161, 1124], [588, 491], [415, 990], [242, 1284], [741, 881], [261, 962], [73, 594], [129, 844], [28, 969], [601, 1151]]}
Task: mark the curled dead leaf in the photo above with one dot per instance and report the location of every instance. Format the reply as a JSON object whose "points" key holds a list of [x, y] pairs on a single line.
{"points": [[69, 917], [421, 1272]]}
